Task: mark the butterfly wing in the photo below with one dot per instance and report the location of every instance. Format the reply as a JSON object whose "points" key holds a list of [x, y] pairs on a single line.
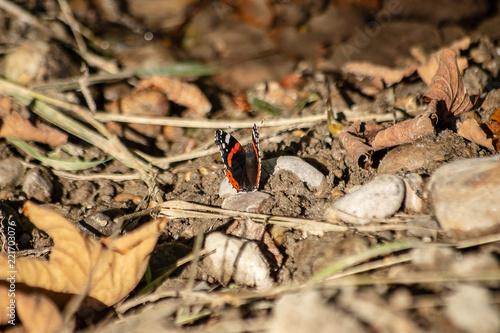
{"points": [[234, 159]]}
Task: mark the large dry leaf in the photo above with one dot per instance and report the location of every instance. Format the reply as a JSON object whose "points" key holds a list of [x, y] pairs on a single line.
{"points": [[471, 130], [106, 271], [448, 85], [36, 311]]}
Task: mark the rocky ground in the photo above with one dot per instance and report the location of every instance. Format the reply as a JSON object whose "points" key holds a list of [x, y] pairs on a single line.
{"points": [[377, 205]]}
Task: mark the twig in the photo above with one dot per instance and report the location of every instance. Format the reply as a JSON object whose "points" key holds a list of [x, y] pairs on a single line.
{"points": [[212, 124], [73, 24], [97, 176], [183, 209], [24, 16]]}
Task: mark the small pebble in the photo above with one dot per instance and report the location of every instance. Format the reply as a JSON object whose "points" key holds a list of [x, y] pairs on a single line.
{"points": [[429, 228], [39, 185], [226, 189], [465, 196], [309, 311], [103, 221], [470, 309], [414, 186], [236, 259], [245, 201], [11, 171], [378, 199], [313, 178]]}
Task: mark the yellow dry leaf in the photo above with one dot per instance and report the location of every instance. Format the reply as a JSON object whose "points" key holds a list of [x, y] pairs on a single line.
{"points": [[36, 311], [80, 265]]}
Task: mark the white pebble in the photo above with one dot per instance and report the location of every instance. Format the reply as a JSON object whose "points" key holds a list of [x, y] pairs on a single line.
{"points": [[378, 199], [236, 259], [306, 172]]}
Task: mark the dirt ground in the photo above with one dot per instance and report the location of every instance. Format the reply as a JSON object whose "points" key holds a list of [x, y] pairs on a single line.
{"points": [[210, 63]]}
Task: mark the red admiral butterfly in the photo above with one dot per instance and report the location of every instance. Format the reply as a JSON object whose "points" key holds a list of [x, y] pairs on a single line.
{"points": [[242, 166]]}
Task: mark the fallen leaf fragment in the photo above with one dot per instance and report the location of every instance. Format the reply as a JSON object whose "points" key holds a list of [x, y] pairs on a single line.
{"points": [[447, 88], [355, 140], [79, 265], [256, 12], [14, 126], [36, 311], [429, 68], [406, 131], [182, 93], [389, 75], [149, 103], [494, 127], [471, 130], [448, 85], [356, 148]]}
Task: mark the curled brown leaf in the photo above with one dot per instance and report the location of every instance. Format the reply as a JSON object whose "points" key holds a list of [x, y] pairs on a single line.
{"points": [[355, 139], [448, 86], [406, 131], [428, 69]]}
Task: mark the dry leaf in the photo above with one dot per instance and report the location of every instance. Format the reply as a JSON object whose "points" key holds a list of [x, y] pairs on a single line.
{"points": [[495, 117], [406, 131], [241, 104], [494, 127], [354, 140], [429, 68], [256, 12], [389, 75], [145, 103], [79, 265], [292, 81], [427, 71], [182, 93], [471, 130], [14, 126], [36, 311], [448, 85]]}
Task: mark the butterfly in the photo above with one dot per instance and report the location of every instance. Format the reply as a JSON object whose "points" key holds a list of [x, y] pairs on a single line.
{"points": [[242, 166]]}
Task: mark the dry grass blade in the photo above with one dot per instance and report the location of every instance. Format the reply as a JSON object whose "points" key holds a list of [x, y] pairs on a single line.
{"points": [[362, 257], [212, 124], [183, 209], [414, 278], [53, 163], [177, 70]]}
